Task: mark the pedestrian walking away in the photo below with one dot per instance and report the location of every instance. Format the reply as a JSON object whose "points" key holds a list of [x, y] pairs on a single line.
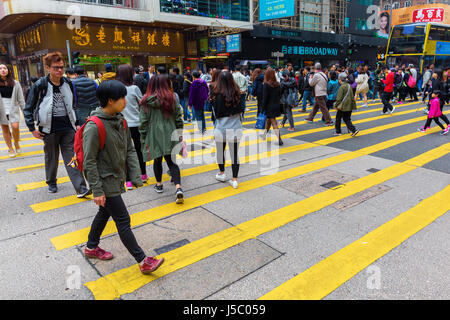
{"points": [[288, 87], [388, 89], [198, 95], [185, 97], [227, 107], [105, 172], [435, 113], [161, 128], [362, 87], [345, 104], [51, 100], [11, 102], [319, 84], [131, 114], [271, 103], [85, 94], [332, 90], [242, 83], [258, 81]]}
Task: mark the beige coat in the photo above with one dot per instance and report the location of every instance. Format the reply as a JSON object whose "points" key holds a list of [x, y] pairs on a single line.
{"points": [[17, 101]]}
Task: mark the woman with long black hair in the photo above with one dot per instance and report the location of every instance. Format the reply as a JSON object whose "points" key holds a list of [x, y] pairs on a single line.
{"points": [[11, 100], [227, 116]]}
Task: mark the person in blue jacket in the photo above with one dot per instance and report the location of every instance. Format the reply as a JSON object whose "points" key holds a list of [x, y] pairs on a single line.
{"points": [[332, 90]]}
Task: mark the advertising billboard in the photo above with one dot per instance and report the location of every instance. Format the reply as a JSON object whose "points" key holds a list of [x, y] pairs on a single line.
{"points": [[423, 13], [276, 9]]}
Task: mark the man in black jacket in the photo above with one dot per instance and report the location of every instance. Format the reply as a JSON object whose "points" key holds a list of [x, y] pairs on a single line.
{"points": [[85, 95]]}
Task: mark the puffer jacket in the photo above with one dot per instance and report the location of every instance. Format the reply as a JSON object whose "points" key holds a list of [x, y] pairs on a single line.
{"points": [[105, 169], [288, 91], [85, 90]]}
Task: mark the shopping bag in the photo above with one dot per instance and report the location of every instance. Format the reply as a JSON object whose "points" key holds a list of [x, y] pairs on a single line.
{"points": [[261, 121]]}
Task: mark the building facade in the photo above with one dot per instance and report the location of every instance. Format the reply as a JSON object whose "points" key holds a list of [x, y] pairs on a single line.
{"points": [[138, 32]]}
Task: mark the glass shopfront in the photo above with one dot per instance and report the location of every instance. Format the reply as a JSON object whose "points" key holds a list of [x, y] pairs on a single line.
{"points": [[219, 9]]}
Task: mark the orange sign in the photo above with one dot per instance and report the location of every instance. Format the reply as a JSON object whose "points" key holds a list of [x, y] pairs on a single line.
{"points": [[439, 13]]}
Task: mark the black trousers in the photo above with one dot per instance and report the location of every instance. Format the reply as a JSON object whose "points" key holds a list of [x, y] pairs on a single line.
{"points": [[174, 169], [115, 208], [135, 135], [428, 123], [385, 98], [220, 151], [346, 115], [412, 93]]}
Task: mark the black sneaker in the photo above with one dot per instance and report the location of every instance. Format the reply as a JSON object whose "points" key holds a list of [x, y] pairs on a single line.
{"points": [[159, 189], [355, 133], [180, 196], [52, 189], [84, 193]]}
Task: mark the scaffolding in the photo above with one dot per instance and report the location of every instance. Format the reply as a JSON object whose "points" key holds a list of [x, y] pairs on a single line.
{"points": [[310, 15]]}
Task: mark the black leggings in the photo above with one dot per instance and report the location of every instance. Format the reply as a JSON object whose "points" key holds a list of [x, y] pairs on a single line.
{"points": [[115, 208], [428, 123], [220, 151], [134, 131], [174, 169]]}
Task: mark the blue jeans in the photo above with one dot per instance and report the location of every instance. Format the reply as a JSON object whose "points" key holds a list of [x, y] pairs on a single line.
{"points": [[199, 115], [306, 97], [186, 113]]}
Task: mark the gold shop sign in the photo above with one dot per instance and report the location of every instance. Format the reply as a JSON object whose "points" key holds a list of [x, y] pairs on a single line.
{"points": [[103, 38]]}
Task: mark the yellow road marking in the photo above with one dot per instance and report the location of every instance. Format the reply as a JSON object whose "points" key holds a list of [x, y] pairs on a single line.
{"points": [[41, 184], [330, 273], [77, 237], [129, 279], [71, 200]]}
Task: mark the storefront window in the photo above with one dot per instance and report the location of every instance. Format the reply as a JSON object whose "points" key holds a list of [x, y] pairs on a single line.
{"points": [[222, 9]]}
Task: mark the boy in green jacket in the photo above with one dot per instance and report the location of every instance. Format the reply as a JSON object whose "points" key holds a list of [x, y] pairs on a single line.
{"points": [[345, 104], [105, 171]]}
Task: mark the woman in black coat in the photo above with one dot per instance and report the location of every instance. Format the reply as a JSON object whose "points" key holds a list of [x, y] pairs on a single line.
{"points": [[271, 104]]}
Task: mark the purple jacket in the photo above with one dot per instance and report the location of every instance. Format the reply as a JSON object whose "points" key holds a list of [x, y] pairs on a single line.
{"points": [[198, 94]]}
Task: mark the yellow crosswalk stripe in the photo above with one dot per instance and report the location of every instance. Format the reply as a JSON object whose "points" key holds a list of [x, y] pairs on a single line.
{"points": [[329, 274], [34, 185], [77, 237], [129, 279], [71, 200]]}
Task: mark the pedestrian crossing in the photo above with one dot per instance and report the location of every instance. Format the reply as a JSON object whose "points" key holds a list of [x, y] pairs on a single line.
{"points": [[320, 279]]}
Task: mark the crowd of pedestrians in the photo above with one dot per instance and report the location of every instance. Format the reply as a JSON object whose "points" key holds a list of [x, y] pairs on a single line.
{"points": [[128, 117]]}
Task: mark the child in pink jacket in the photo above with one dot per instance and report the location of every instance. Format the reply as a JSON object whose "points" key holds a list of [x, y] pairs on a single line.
{"points": [[434, 114]]}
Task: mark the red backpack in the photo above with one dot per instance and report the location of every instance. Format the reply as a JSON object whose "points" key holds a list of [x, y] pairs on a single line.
{"points": [[78, 159]]}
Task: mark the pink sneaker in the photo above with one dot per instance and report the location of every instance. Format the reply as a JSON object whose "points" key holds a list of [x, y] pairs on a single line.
{"points": [[129, 185], [144, 178], [150, 265], [98, 253]]}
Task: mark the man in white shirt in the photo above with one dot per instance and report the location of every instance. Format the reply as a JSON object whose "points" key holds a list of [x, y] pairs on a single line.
{"points": [[242, 83]]}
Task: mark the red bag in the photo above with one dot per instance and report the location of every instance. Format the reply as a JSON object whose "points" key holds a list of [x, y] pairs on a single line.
{"points": [[78, 159]]}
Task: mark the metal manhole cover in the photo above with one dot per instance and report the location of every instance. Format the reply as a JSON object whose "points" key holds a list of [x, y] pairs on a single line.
{"points": [[330, 184]]}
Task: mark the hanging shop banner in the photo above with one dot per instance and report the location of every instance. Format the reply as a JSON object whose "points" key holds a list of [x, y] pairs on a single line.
{"points": [[100, 38], [276, 9], [234, 43]]}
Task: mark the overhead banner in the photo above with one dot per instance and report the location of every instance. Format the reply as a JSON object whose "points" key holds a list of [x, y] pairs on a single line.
{"points": [[276, 9]]}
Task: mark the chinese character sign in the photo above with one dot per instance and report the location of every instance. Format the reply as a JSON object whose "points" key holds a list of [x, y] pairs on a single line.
{"points": [[275, 9], [428, 15]]}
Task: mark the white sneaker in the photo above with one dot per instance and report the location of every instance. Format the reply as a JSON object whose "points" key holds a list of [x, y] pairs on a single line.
{"points": [[365, 106], [392, 111], [221, 177], [234, 184]]}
